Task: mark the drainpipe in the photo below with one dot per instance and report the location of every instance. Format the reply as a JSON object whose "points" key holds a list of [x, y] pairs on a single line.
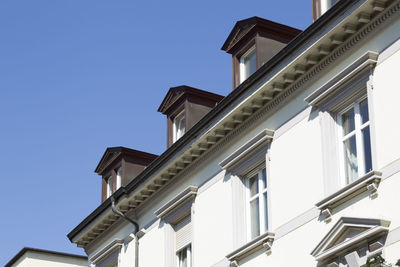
{"points": [[120, 214]]}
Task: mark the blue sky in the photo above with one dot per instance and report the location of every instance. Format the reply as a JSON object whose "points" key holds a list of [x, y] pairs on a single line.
{"points": [[77, 76]]}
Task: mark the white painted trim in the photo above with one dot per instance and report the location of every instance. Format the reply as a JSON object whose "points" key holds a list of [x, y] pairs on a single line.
{"points": [[183, 197], [393, 237], [375, 231], [297, 222], [249, 147], [263, 241], [370, 228], [369, 182], [391, 169], [389, 51], [368, 60], [99, 256], [242, 65]]}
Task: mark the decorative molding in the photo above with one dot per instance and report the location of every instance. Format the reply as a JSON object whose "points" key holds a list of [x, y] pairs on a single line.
{"points": [[106, 251], [369, 182], [264, 241], [365, 63], [246, 149], [177, 202], [349, 233]]}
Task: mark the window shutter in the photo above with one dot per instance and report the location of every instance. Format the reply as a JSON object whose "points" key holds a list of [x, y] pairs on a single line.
{"points": [[183, 233]]}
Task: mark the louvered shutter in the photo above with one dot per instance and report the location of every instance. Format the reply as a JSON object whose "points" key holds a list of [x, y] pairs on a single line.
{"points": [[183, 233]]}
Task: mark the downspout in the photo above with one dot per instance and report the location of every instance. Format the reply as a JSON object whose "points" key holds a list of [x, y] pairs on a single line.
{"points": [[120, 214]]}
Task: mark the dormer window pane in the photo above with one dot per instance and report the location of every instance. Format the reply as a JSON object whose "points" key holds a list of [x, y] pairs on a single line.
{"points": [[109, 186], [119, 178], [179, 126], [248, 64]]}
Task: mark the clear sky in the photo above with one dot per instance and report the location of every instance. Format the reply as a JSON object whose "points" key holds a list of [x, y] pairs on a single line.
{"points": [[77, 76]]}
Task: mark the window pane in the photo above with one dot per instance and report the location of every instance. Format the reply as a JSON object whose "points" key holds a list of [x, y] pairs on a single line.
{"points": [[264, 178], [266, 211], [250, 64], [253, 182], [350, 156], [348, 121], [367, 149], [255, 218], [364, 111], [183, 258]]}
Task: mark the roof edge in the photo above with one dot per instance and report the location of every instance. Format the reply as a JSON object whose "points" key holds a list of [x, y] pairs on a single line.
{"points": [[28, 249]]}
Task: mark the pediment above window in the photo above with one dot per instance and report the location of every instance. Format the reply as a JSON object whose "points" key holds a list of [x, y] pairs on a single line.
{"points": [[249, 155], [348, 235]]}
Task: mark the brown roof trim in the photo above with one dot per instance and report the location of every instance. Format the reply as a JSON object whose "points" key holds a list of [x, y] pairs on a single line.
{"points": [[175, 94], [114, 153], [28, 249], [207, 119], [246, 28]]}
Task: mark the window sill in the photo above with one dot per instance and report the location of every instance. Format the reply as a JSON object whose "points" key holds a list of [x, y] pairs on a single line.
{"points": [[369, 182], [263, 241]]}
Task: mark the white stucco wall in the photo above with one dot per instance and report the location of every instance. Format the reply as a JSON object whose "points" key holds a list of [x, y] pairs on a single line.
{"points": [[41, 259]]}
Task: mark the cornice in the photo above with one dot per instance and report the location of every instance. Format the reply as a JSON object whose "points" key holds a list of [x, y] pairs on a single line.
{"points": [[265, 100]]}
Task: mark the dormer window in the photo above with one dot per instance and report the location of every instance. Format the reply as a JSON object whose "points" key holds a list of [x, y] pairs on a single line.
{"points": [[119, 166], [184, 106], [179, 126], [248, 64], [253, 42]]}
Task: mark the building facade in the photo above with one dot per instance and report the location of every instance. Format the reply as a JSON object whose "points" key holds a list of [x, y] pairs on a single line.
{"points": [[33, 257], [297, 166]]}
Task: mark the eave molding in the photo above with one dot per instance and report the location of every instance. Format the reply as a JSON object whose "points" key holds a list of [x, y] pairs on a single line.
{"points": [[369, 182], [263, 241]]}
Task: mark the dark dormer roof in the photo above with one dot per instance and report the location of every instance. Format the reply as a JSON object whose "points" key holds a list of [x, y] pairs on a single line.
{"points": [[245, 29], [176, 95], [112, 154]]}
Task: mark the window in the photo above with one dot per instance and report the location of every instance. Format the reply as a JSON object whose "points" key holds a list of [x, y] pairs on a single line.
{"points": [[257, 204], [355, 141], [109, 186], [119, 178], [184, 257], [177, 217], [179, 126], [248, 64]]}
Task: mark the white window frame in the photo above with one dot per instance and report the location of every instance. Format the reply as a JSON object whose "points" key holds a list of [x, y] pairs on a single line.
{"points": [[118, 174], [177, 119], [357, 132], [109, 181], [263, 208], [243, 65], [188, 249]]}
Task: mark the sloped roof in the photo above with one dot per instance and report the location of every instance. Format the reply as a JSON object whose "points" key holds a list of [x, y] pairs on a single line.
{"points": [[244, 29], [112, 153], [179, 93]]}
